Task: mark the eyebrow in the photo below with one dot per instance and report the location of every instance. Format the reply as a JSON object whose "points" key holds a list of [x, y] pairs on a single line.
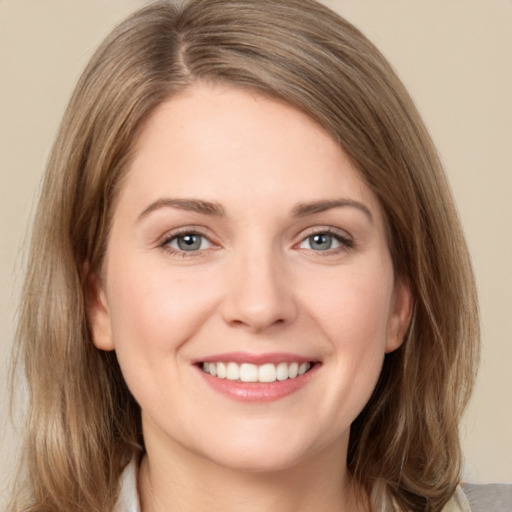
{"points": [[215, 209], [304, 209], [191, 205]]}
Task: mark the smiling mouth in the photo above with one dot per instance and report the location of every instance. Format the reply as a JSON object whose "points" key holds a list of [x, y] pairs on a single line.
{"points": [[247, 372]]}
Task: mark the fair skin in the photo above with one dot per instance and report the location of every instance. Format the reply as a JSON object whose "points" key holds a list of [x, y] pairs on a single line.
{"points": [[243, 234]]}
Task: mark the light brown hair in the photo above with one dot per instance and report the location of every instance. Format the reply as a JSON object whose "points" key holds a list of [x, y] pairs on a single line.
{"points": [[83, 424]]}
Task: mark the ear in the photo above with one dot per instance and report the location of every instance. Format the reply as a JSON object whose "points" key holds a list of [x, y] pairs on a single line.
{"points": [[96, 307], [400, 314]]}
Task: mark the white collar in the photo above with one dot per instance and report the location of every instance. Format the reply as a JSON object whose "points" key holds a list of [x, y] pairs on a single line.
{"points": [[128, 500]]}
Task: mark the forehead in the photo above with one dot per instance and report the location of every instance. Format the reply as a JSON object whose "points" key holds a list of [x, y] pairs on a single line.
{"points": [[234, 145]]}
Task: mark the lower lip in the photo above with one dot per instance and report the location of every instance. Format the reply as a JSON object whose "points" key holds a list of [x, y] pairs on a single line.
{"points": [[258, 391]]}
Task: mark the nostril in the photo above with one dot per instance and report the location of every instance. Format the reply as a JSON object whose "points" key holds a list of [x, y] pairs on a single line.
{"points": [[258, 296]]}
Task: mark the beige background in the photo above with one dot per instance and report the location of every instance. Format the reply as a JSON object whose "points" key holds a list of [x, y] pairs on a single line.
{"points": [[454, 55]]}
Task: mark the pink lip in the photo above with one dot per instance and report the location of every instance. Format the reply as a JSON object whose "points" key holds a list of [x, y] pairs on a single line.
{"points": [[257, 392], [258, 359]]}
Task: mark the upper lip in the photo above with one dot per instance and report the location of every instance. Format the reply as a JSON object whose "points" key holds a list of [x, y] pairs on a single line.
{"points": [[257, 359]]}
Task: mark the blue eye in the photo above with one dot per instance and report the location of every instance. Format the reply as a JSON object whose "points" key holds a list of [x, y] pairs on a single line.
{"points": [[325, 241], [188, 242], [319, 242]]}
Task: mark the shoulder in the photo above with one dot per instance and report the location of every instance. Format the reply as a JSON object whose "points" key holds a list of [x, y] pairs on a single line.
{"points": [[488, 497]]}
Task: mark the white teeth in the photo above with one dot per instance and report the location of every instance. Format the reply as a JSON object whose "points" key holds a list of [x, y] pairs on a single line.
{"points": [[267, 373], [233, 371], [221, 370], [282, 371], [247, 372], [303, 368]]}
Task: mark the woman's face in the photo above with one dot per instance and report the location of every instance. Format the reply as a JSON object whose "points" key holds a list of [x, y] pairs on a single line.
{"points": [[248, 289]]}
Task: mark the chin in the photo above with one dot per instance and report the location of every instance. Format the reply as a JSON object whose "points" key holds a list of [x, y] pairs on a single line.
{"points": [[265, 450], [257, 461]]}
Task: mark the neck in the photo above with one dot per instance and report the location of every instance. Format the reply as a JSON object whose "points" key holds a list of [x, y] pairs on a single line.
{"points": [[180, 480]]}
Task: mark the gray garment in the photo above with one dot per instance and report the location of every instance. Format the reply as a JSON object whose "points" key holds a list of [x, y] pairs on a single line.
{"points": [[489, 497]]}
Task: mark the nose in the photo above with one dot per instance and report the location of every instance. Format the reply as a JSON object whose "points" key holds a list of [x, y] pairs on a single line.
{"points": [[260, 294]]}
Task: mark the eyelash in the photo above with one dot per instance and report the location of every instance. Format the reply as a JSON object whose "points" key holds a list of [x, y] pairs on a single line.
{"points": [[345, 242], [179, 234]]}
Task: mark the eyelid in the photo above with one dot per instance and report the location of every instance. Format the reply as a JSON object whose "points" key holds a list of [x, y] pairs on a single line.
{"points": [[342, 236], [345, 239], [171, 235]]}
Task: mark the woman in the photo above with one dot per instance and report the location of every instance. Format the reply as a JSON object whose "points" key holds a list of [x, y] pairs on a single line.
{"points": [[248, 275]]}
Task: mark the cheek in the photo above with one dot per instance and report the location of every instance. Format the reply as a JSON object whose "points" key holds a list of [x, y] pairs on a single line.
{"points": [[154, 311], [353, 306]]}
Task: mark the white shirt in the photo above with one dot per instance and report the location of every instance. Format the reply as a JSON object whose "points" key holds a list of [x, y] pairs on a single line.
{"points": [[128, 500]]}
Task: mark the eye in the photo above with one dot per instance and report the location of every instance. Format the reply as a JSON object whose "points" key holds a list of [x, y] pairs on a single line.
{"points": [[187, 242], [325, 241]]}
